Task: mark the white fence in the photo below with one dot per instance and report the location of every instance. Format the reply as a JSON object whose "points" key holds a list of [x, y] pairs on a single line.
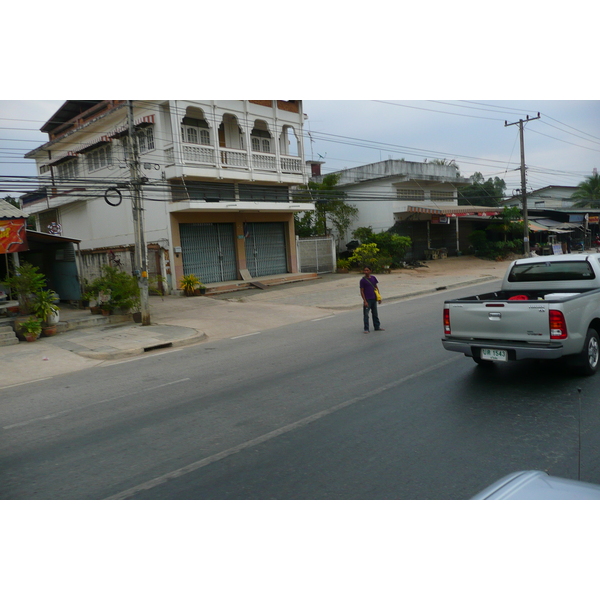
{"points": [[316, 254]]}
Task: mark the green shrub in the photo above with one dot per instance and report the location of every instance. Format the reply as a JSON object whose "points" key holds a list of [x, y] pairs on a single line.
{"points": [[25, 282], [123, 288], [366, 256], [392, 244], [343, 263]]}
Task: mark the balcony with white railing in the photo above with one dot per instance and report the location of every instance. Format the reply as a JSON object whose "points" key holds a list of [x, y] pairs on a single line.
{"points": [[264, 161], [233, 158], [291, 164], [197, 155]]}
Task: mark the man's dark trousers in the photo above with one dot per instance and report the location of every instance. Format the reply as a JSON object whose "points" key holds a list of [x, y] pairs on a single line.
{"points": [[371, 306]]}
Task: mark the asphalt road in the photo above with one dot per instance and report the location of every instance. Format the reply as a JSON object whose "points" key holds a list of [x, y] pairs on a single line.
{"points": [[314, 410]]}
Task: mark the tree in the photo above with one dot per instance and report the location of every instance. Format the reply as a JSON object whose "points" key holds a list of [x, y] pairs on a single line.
{"points": [[481, 192], [508, 222], [329, 205], [588, 193], [12, 201]]}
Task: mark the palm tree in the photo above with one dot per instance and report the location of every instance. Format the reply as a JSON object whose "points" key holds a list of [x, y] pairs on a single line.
{"points": [[588, 193]]}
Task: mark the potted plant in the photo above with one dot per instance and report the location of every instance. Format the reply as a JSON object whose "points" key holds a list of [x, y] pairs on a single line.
{"points": [[45, 309], [189, 283], [342, 265], [106, 308], [31, 328]]}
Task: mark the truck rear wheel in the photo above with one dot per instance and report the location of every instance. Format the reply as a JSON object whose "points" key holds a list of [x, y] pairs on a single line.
{"points": [[589, 359]]}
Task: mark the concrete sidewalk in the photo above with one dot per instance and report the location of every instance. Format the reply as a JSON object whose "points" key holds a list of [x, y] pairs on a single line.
{"points": [[178, 320]]}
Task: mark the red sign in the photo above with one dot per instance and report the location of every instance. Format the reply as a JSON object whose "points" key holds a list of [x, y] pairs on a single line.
{"points": [[12, 236]]}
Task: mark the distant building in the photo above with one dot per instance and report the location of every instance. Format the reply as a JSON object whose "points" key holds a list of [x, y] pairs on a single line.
{"points": [[216, 182], [551, 197], [406, 195]]}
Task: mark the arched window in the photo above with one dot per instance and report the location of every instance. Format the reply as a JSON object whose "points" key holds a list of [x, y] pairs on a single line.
{"points": [[260, 136], [195, 131]]}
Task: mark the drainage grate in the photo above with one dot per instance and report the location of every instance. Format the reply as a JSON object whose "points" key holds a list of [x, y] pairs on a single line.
{"points": [[158, 347]]}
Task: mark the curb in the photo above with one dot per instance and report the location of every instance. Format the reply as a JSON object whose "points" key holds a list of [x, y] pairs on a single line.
{"points": [[198, 337]]}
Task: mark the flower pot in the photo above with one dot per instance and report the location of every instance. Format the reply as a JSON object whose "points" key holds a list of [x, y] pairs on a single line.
{"points": [[30, 337], [50, 330], [105, 312], [95, 310], [53, 318], [17, 326], [137, 317]]}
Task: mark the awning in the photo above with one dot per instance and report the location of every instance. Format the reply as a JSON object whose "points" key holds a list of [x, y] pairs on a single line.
{"points": [[456, 211], [537, 225], [49, 238], [61, 157], [138, 123]]}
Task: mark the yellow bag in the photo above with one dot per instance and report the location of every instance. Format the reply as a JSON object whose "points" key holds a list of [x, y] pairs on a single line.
{"points": [[377, 295]]}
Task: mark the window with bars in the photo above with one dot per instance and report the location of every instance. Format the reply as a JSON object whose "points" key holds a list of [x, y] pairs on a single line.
{"points": [[442, 196], [415, 195]]}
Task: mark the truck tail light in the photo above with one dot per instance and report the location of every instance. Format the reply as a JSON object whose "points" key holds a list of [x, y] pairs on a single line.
{"points": [[558, 325], [447, 321]]}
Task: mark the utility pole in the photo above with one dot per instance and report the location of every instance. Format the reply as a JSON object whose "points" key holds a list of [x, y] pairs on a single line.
{"points": [[141, 252], [523, 181]]}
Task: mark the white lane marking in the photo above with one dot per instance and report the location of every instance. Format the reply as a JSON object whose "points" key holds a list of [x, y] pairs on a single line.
{"points": [[237, 337], [5, 387], [323, 318], [70, 410], [152, 483], [166, 384]]}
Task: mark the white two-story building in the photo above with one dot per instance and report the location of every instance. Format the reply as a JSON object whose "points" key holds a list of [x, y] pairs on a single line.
{"points": [[417, 199], [216, 178]]}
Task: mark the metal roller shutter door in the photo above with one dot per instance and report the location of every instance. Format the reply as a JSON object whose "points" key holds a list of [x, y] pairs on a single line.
{"points": [[208, 251], [265, 249]]}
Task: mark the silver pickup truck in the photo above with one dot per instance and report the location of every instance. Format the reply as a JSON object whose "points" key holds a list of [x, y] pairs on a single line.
{"points": [[547, 308]]}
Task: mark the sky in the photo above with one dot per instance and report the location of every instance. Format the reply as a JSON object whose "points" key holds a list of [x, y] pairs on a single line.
{"points": [[562, 147]]}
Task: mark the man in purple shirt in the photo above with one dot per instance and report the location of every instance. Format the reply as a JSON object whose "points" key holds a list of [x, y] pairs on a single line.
{"points": [[368, 285]]}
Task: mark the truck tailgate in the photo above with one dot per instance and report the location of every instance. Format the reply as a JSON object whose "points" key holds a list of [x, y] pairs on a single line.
{"points": [[526, 321]]}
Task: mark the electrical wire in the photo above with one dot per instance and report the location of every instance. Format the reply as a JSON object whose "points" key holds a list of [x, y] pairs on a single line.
{"points": [[332, 138]]}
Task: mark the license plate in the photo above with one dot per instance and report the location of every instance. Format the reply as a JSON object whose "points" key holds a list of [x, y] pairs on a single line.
{"points": [[491, 354]]}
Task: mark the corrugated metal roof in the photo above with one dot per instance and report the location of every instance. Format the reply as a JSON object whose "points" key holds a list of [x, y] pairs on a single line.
{"points": [[8, 211]]}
